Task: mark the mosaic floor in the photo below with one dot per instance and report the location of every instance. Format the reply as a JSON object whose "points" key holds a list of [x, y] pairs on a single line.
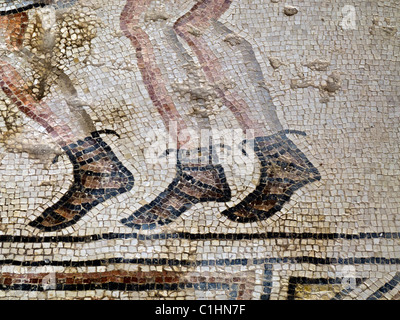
{"points": [[199, 149]]}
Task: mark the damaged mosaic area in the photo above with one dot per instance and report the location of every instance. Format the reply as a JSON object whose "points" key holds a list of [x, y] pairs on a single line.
{"points": [[199, 149]]}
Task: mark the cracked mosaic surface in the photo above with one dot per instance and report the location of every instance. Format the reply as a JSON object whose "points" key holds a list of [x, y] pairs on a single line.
{"points": [[199, 149]]}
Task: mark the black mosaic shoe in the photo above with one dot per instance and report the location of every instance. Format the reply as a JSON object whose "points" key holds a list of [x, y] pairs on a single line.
{"points": [[193, 183], [98, 176], [284, 169]]}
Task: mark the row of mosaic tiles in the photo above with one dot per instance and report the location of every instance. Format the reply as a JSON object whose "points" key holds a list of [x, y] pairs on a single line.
{"points": [[236, 286], [219, 262], [202, 236]]}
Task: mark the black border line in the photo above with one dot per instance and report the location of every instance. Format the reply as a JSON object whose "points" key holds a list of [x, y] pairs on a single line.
{"points": [[201, 236], [118, 286], [22, 9], [214, 262]]}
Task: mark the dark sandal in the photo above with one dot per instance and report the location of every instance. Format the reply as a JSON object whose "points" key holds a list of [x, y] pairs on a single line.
{"points": [[186, 189], [82, 196], [284, 169]]}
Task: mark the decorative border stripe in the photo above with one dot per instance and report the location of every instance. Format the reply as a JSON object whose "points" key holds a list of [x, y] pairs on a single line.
{"points": [[121, 280], [216, 262], [114, 286], [203, 236]]}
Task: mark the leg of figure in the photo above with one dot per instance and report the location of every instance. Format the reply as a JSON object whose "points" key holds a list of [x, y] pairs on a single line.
{"points": [[284, 168], [152, 78], [195, 181], [98, 174], [190, 28], [16, 89], [14, 29]]}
